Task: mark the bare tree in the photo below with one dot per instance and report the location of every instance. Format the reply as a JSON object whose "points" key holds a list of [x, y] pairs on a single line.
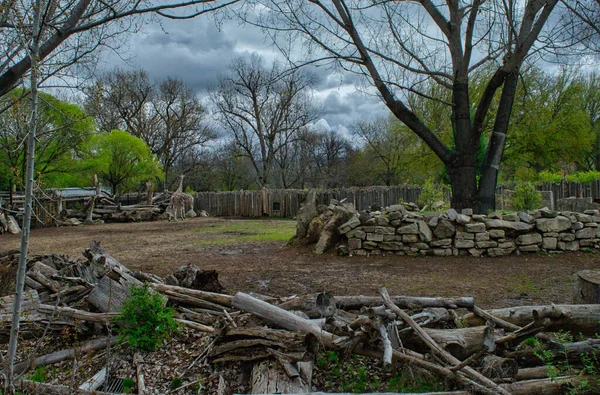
{"points": [[401, 48], [583, 20], [168, 116], [329, 155], [63, 24], [263, 110]]}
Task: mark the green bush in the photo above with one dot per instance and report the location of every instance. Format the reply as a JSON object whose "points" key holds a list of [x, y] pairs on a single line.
{"points": [[433, 193], [145, 320], [526, 197]]}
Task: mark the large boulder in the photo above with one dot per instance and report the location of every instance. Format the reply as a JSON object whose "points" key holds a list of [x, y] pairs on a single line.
{"points": [[444, 229], [556, 224]]}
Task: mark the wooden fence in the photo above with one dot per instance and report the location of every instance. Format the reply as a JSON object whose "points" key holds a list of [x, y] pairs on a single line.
{"points": [[286, 202]]}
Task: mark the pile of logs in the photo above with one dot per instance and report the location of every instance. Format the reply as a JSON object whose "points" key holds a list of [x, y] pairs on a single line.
{"points": [[474, 350]]}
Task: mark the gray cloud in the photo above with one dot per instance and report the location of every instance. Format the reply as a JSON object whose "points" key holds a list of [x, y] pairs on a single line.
{"points": [[198, 50]]}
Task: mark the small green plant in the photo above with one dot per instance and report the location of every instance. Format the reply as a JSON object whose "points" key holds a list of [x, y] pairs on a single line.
{"points": [[145, 320], [526, 197], [39, 375], [433, 196], [128, 385], [558, 361]]}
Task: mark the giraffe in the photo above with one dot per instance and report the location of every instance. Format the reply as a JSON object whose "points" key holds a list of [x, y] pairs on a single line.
{"points": [[179, 201]]}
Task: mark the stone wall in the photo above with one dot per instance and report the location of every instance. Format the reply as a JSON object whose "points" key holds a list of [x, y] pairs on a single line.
{"points": [[396, 230]]}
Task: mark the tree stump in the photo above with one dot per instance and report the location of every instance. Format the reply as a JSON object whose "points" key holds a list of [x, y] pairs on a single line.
{"points": [[587, 287]]}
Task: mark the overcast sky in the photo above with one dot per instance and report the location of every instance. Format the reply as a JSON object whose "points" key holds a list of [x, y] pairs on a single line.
{"points": [[197, 51]]}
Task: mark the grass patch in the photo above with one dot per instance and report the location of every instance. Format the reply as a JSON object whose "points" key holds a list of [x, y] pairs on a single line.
{"points": [[245, 231]]}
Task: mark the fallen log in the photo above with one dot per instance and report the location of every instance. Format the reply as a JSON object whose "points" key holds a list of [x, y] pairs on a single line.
{"points": [[405, 302], [540, 372], [76, 314], [439, 351], [553, 386], [42, 274], [462, 342], [282, 318], [63, 355], [218, 298], [582, 318]]}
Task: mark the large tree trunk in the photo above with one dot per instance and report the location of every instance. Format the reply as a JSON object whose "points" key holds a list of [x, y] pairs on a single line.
{"points": [[464, 182], [486, 195]]}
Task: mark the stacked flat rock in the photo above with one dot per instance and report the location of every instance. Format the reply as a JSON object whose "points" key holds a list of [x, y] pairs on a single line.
{"points": [[397, 230]]}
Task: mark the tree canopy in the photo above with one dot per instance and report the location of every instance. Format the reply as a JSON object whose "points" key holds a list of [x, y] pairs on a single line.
{"points": [[121, 160]]}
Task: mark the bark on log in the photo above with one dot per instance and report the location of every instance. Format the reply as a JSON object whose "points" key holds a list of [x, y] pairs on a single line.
{"points": [[314, 305], [587, 287], [269, 377], [463, 342], [575, 318], [112, 290], [404, 302], [495, 320], [42, 274], [218, 298], [539, 372]]}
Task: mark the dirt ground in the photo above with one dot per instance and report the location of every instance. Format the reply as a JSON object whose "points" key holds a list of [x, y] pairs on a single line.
{"points": [[275, 268]]}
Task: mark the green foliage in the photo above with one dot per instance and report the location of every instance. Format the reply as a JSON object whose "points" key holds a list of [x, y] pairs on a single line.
{"points": [[584, 176], [145, 320], [551, 128], [39, 375], [122, 160], [128, 385], [433, 193], [548, 176], [62, 130], [526, 197]]}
